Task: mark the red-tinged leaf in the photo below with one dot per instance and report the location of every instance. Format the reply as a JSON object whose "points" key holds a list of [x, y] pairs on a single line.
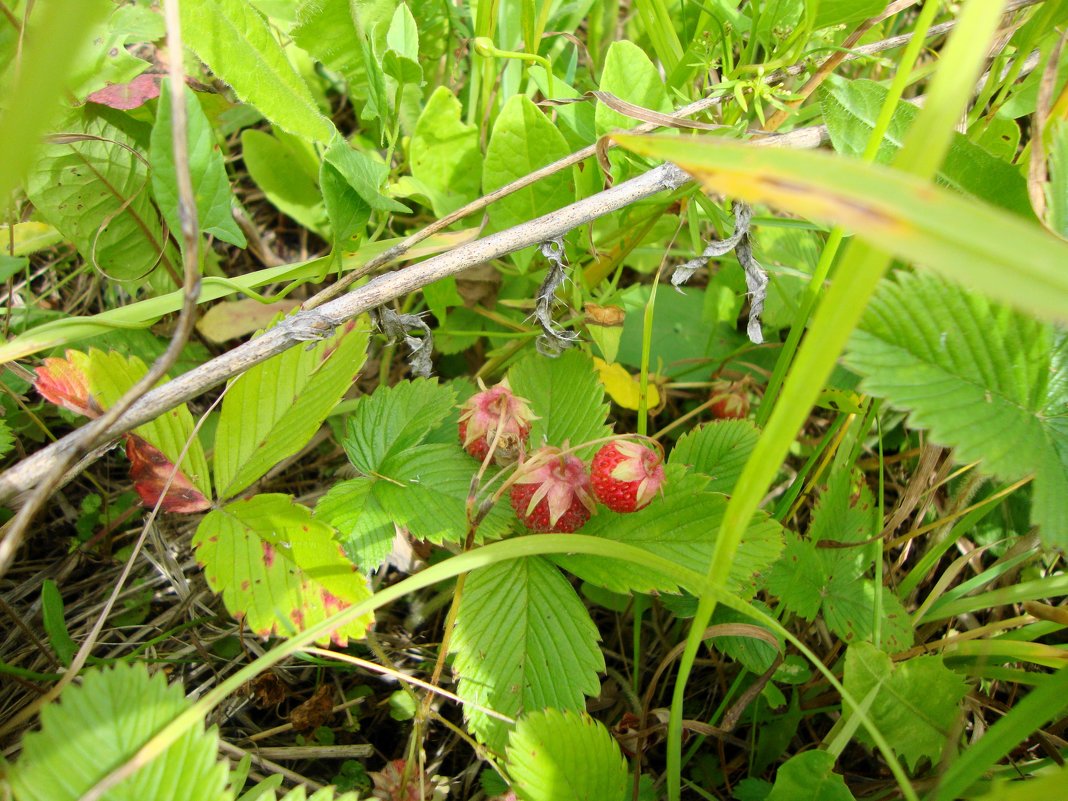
{"points": [[65, 382], [238, 318], [126, 96], [150, 469]]}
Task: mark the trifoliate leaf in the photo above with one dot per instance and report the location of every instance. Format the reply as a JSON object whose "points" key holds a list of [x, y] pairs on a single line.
{"points": [[917, 703], [365, 528], [809, 776], [719, 450], [567, 396], [272, 410], [565, 756], [277, 568], [99, 725], [393, 419], [682, 526], [524, 642], [983, 379]]}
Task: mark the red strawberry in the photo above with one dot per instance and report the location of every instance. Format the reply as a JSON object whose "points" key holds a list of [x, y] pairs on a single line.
{"points": [[729, 401], [552, 492], [486, 412], [626, 475]]}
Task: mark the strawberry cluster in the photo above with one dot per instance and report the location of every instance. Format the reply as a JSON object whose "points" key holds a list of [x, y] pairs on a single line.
{"points": [[553, 490]]}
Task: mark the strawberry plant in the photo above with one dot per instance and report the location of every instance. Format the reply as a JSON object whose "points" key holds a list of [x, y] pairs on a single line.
{"points": [[443, 491]]}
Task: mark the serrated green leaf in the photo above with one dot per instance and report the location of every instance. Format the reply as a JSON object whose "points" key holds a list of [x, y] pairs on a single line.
{"points": [[427, 491], [567, 396], [444, 153], [982, 379], [524, 140], [365, 529], [289, 183], [809, 776], [629, 75], [277, 568], [851, 109], [917, 703], [394, 419], [94, 190], [211, 187], [719, 450], [565, 756], [515, 622], [271, 411], [681, 526], [234, 40], [99, 725], [325, 794], [111, 375]]}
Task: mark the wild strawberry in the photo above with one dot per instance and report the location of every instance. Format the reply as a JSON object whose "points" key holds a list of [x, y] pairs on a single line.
{"points": [[626, 475], [729, 401], [486, 412], [552, 492]]}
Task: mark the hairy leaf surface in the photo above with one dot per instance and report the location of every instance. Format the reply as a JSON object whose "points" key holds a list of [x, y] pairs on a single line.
{"points": [[517, 621]]}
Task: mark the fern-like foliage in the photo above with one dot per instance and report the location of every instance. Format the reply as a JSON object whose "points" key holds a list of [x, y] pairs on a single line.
{"points": [[99, 725], [565, 756], [983, 379], [524, 642]]}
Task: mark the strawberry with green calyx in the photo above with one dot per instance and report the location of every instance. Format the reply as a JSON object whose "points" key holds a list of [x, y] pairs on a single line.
{"points": [[496, 418], [729, 400], [626, 475], [551, 492]]}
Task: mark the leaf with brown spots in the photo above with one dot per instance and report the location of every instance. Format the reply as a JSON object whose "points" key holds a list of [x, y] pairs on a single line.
{"points": [[279, 569], [150, 470]]}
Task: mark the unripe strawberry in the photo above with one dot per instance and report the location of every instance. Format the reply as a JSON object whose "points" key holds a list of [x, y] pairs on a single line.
{"points": [[552, 492], [626, 475], [486, 412], [729, 401]]}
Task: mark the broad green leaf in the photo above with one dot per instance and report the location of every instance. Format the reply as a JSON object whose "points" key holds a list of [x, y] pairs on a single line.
{"points": [[394, 419], [365, 528], [851, 110], [347, 211], [7, 439], [1057, 188], [719, 450], [211, 188], [279, 570], [24, 238], [567, 396], [844, 12], [55, 623], [326, 29], [94, 190], [111, 375], [235, 41], [444, 153], [523, 643], [961, 238], [681, 526], [809, 776], [271, 411], [99, 725], [104, 59], [287, 181], [565, 756], [363, 174], [916, 705], [983, 379], [629, 75], [524, 140], [401, 59]]}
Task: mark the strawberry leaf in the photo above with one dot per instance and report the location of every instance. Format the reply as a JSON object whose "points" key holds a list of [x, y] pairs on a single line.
{"points": [[565, 756], [682, 526], [65, 382], [150, 470], [99, 725], [278, 568], [567, 396], [272, 410], [110, 376], [393, 419], [516, 622], [916, 704], [365, 527], [719, 450]]}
